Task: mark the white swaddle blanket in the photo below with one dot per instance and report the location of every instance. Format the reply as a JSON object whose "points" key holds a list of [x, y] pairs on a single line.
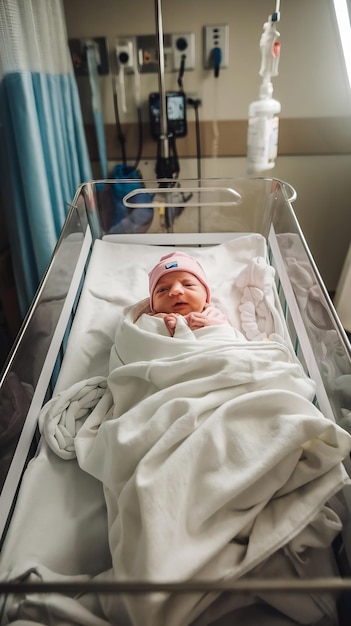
{"points": [[210, 452]]}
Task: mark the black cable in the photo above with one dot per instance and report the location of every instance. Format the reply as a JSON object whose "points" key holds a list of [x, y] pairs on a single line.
{"points": [[120, 134], [140, 139], [172, 144], [195, 102], [198, 140], [181, 72]]}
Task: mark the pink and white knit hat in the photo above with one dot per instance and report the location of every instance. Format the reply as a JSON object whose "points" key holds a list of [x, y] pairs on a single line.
{"points": [[177, 262]]}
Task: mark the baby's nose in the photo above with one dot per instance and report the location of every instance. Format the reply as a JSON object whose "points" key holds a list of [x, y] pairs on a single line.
{"points": [[176, 288]]}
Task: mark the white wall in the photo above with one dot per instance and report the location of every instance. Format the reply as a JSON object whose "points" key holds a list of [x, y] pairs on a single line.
{"points": [[311, 83]]}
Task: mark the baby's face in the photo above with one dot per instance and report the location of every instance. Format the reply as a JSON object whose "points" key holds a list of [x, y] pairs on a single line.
{"points": [[179, 292]]}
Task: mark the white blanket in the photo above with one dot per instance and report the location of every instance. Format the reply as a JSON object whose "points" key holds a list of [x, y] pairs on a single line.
{"points": [[211, 455], [117, 277]]}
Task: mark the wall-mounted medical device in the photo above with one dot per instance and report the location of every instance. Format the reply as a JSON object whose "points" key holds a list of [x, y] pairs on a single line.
{"points": [[176, 114], [216, 39]]}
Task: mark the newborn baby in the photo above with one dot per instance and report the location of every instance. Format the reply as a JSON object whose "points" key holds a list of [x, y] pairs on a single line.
{"points": [[178, 286]]}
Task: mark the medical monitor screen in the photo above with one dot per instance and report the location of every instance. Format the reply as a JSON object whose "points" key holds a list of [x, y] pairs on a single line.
{"points": [[176, 114]]}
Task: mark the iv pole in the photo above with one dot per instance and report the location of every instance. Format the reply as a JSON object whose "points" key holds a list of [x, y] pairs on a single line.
{"points": [[164, 143], [166, 166]]}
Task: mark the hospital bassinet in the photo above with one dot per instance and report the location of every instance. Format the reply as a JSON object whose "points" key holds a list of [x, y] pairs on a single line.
{"points": [[52, 514]]}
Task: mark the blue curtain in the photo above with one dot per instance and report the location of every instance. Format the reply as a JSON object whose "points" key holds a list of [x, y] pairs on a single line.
{"points": [[44, 155]]}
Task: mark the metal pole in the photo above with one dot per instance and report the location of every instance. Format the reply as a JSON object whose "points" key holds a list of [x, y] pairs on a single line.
{"points": [[164, 143]]}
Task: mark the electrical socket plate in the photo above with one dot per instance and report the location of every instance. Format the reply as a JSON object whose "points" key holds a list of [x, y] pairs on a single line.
{"points": [[216, 36], [79, 56], [125, 52], [174, 45], [183, 43], [147, 47]]}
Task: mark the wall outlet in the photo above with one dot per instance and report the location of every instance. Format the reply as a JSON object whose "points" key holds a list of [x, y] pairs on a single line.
{"points": [[125, 52], [216, 36], [147, 51], [183, 44], [79, 55]]}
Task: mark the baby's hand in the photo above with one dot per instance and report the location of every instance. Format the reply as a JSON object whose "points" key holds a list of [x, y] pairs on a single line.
{"points": [[200, 320], [197, 320], [170, 319]]}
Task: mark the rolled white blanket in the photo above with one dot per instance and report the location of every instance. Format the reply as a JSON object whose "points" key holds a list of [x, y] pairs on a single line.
{"points": [[62, 417], [258, 311]]}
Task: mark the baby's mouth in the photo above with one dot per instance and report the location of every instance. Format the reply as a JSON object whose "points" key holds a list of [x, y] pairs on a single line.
{"points": [[179, 305]]}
